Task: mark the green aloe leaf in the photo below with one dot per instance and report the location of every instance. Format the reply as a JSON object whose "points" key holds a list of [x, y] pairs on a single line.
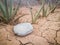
{"points": [[15, 11], [10, 9], [8, 13], [37, 14], [6, 7], [2, 8]]}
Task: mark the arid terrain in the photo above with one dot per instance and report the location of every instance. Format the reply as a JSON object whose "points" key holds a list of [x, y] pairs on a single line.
{"points": [[46, 30]]}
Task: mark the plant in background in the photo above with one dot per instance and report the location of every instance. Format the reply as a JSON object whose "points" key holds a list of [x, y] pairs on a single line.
{"points": [[36, 15], [46, 10], [8, 13], [52, 6]]}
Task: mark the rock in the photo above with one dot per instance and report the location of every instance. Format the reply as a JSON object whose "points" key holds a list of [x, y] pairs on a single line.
{"points": [[23, 29]]}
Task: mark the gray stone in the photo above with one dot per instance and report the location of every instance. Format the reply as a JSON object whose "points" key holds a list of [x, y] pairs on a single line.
{"points": [[23, 29]]}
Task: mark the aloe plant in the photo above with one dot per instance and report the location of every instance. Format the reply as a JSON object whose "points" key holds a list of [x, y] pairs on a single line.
{"points": [[47, 10], [36, 15], [8, 13], [44, 11], [51, 6]]}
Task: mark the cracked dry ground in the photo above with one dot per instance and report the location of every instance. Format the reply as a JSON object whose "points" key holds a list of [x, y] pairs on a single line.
{"points": [[46, 30]]}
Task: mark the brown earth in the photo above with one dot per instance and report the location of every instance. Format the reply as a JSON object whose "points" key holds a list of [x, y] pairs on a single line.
{"points": [[46, 30]]}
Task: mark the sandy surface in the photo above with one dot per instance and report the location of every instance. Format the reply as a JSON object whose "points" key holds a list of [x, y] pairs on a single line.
{"points": [[46, 30]]}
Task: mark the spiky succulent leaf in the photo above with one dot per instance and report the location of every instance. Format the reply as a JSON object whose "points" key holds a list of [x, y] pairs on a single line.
{"points": [[6, 7], [2, 8], [7, 12], [10, 9], [15, 11]]}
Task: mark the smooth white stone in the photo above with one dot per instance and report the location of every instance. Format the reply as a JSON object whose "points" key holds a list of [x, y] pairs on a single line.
{"points": [[23, 29]]}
